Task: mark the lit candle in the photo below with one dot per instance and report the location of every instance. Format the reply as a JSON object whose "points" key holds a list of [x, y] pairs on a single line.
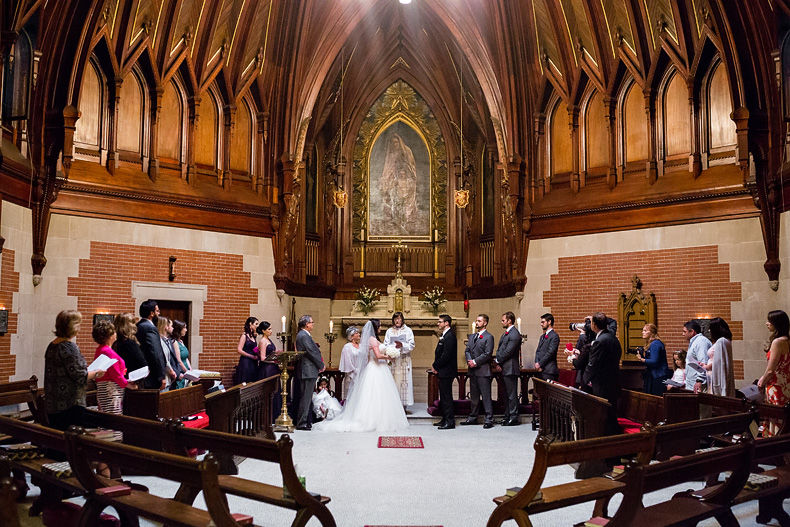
{"points": [[331, 325], [283, 319], [518, 324]]}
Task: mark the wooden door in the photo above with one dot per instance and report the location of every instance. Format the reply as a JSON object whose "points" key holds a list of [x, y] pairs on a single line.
{"points": [[178, 310]]}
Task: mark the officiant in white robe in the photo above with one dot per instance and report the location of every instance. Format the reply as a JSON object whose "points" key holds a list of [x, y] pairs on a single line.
{"points": [[402, 337]]}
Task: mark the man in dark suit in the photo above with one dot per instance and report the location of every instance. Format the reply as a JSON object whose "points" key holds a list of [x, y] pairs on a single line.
{"points": [[546, 352], [310, 365], [602, 373], [151, 346], [445, 366], [478, 357], [507, 355]]}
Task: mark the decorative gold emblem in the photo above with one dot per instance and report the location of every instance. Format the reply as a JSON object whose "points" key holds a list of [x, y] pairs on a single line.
{"points": [[461, 198], [340, 198]]}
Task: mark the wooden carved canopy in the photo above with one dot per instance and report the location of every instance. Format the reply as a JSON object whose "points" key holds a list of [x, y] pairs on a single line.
{"points": [[633, 312]]}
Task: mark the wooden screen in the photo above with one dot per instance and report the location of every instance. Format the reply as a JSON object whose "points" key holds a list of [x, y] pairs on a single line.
{"points": [[91, 103], [130, 115], [561, 150], [635, 125], [677, 127], [722, 127], [206, 133], [595, 133], [171, 121]]}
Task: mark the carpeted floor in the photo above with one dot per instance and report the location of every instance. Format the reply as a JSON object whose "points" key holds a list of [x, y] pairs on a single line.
{"points": [[449, 482]]}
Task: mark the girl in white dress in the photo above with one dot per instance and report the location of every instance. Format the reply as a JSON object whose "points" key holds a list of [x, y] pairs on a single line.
{"points": [[325, 406], [374, 404]]}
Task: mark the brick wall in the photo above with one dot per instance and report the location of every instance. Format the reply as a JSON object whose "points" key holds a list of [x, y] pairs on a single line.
{"points": [[688, 283], [9, 284], [105, 281]]}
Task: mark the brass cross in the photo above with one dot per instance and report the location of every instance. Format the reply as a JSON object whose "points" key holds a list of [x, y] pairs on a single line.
{"points": [[399, 247]]}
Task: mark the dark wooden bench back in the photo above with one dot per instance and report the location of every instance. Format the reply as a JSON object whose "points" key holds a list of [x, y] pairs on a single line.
{"points": [[244, 409], [9, 515], [14, 386], [640, 407], [143, 433], [39, 435], [172, 404], [569, 414], [685, 406], [683, 438]]}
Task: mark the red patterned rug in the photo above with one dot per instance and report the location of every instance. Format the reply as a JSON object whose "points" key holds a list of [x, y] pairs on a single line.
{"points": [[400, 442]]}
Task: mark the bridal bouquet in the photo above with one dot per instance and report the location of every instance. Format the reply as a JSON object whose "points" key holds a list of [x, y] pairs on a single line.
{"points": [[391, 352]]}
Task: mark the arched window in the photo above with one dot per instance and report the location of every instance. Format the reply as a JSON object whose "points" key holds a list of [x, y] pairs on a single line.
{"points": [[89, 132]]}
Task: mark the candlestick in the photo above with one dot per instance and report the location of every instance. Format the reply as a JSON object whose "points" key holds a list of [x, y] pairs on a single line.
{"points": [[518, 324], [330, 326], [283, 319], [330, 338], [284, 423]]}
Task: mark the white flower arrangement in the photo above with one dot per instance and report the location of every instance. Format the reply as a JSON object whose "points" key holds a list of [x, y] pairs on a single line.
{"points": [[366, 299]]}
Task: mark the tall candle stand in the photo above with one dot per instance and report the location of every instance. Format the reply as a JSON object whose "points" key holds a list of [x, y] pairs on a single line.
{"points": [[523, 340], [284, 423], [330, 338]]}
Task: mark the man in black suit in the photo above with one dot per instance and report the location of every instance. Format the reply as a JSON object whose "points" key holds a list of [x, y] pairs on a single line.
{"points": [[478, 356], [507, 355], [445, 365], [602, 373], [151, 345], [546, 352]]}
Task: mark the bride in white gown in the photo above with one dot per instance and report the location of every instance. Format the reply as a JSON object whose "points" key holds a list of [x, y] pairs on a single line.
{"points": [[374, 403]]}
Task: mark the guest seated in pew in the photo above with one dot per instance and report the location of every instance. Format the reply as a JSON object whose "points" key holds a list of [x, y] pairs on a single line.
{"points": [[126, 345], [655, 359], [721, 377], [66, 374], [325, 406]]}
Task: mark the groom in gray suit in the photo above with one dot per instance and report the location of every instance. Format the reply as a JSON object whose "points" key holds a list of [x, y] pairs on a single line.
{"points": [[478, 357], [310, 364], [507, 355]]}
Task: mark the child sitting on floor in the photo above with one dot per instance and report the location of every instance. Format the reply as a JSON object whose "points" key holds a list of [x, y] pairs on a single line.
{"points": [[325, 406]]}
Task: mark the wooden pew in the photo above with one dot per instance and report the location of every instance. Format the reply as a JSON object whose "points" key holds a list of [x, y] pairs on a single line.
{"points": [[177, 439], [533, 498], [636, 408], [686, 406], [244, 409], [83, 449], [9, 513], [683, 509], [568, 414], [25, 384], [172, 404]]}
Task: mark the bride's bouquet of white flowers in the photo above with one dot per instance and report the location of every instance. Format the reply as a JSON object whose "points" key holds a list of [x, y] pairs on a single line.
{"points": [[391, 352]]}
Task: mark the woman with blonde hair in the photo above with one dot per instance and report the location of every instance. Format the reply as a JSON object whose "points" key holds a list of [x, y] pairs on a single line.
{"points": [[655, 359], [66, 374]]}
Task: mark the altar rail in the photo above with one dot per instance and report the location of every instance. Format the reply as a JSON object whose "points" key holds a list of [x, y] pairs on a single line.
{"points": [[461, 399]]}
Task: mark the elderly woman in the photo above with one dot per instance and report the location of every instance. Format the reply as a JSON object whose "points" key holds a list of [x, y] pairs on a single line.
{"points": [[66, 374], [351, 359]]}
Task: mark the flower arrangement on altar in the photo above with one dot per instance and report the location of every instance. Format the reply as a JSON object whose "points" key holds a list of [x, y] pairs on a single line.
{"points": [[366, 299], [434, 299]]}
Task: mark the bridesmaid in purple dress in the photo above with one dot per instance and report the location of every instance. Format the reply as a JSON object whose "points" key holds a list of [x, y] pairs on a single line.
{"points": [[268, 369], [247, 370]]}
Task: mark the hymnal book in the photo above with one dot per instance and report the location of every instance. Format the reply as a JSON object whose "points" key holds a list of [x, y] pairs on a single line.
{"points": [[140, 373], [242, 519], [753, 393], [102, 362], [512, 491], [21, 451], [596, 522], [60, 470], [115, 490], [101, 433], [194, 375], [696, 366], [676, 384]]}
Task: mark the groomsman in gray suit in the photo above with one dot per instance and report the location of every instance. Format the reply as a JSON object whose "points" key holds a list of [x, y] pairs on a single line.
{"points": [[507, 355], [310, 364], [478, 356]]}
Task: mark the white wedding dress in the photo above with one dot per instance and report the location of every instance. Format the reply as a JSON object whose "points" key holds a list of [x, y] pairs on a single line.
{"points": [[374, 403]]}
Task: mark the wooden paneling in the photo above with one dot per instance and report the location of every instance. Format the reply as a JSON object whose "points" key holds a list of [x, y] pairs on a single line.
{"points": [[90, 105], [130, 115], [206, 133], [561, 149], [240, 144], [171, 122], [596, 134], [635, 125], [677, 128], [722, 128]]}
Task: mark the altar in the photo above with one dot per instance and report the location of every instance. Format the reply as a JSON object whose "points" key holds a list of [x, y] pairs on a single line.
{"points": [[421, 321]]}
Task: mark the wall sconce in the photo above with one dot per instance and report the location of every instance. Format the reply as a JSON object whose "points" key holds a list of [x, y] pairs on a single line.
{"points": [[3, 321], [103, 316], [172, 269]]}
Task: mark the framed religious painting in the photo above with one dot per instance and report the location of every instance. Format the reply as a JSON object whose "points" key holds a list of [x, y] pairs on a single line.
{"points": [[399, 184]]}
